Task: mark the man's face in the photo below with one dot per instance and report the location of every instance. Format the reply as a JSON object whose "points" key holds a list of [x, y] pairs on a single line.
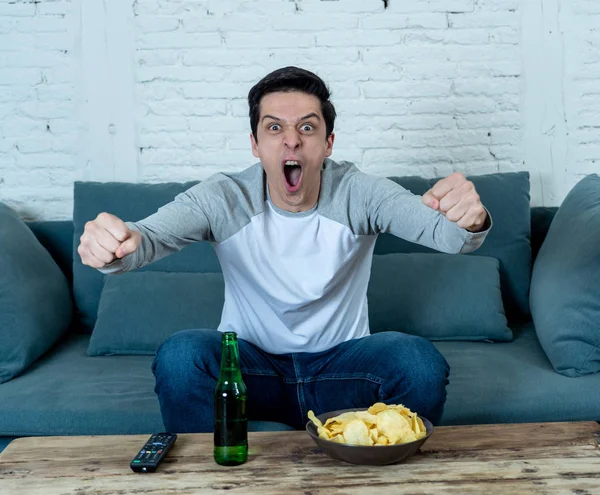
{"points": [[291, 147]]}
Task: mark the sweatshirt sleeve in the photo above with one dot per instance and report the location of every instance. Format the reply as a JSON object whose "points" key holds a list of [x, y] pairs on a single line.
{"points": [[184, 220], [395, 210]]}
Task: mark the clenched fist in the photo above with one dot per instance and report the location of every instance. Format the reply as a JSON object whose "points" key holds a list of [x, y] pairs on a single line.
{"points": [[105, 239], [455, 197]]}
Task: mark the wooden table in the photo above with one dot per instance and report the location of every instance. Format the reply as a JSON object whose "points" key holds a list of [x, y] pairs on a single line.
{"points": [[524, 458]]}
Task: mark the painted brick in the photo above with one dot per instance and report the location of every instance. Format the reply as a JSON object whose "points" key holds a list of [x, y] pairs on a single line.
{"points": [[400, 21], [422, 87]]}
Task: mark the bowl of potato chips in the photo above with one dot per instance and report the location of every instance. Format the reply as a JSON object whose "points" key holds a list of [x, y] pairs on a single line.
{"points": [[381, 434]]}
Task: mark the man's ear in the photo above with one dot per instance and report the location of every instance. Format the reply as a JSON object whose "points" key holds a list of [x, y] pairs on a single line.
{"points": [[330, 140], [254, 145]]}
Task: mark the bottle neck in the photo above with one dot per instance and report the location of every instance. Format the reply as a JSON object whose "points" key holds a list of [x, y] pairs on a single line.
{"points": [[230, 356]]}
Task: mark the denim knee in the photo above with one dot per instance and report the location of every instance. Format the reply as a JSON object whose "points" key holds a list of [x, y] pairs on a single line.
{"points": [[418, 373], [186, 368], [432, 372], [185, 355]]}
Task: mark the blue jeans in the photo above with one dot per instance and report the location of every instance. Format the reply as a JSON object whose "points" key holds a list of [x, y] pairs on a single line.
{"points": [[389, 367]]}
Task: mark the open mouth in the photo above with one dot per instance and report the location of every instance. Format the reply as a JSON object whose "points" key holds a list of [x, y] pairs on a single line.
{"points": [[292, 173]]}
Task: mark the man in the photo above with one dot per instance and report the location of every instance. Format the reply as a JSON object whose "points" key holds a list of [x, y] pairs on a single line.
{"points": [[295, 235]]}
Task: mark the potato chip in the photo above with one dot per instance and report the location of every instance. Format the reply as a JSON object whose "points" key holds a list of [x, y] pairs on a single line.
{"points": [[336, 428], [382, 440], [374, 435], [414, 425], [393, 425], [377, 407], [367, 418], [421, 426], [356, 433], [314, 419], [323, 432], [409, 436], [342, 418]]}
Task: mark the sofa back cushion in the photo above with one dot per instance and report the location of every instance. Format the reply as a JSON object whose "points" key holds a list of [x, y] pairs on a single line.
{"points": [[129, 202], [506, 196], [139, 310], [565, 285], [57, 237], [35, 300], [437, 296]]}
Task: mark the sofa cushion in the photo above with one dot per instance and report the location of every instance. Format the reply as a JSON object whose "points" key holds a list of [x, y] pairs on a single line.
{"points": [[69, 393], [57, 237], [35, 300], [130, 202], [506, 196], [513, 382], [565, 285], [139, 310], [437, 296]]}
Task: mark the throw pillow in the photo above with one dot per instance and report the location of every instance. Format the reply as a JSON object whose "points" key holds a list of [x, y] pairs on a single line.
{"points": [[440, 297], [506, 196], [35, 300], [139, 310], [565, 284], [130, 202], [437, 296]]}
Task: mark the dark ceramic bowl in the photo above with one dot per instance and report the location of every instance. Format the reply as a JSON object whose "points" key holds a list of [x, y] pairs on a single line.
{"points": [[361, 454]]}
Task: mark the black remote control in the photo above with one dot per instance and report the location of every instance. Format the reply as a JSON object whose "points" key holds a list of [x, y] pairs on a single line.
{"points": [[153, 452]]}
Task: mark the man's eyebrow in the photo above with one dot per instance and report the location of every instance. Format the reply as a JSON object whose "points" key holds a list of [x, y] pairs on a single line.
{"points": [[270, 117], [310, 115]]}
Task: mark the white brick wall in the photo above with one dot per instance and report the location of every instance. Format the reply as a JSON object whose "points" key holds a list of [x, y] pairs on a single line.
{"points": [[155, 90], [582, 96], [39, 126]]}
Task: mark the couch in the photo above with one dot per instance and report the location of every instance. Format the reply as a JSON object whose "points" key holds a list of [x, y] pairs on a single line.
{"points": [[502, 374]]}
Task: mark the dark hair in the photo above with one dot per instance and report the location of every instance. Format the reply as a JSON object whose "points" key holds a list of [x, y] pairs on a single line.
{"points": [[291, 79]]}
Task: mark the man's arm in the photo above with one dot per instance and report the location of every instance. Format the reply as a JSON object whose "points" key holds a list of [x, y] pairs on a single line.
{"points": [[175, 225], [448, 218]]}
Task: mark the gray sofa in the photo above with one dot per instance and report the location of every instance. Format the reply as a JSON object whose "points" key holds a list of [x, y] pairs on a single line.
{"points": [[68, 392]]}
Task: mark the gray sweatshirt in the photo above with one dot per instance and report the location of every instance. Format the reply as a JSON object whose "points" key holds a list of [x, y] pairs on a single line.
{"points": [[294, 282]]}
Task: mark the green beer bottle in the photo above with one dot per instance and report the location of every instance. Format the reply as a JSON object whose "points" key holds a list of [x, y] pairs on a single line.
{"points": [[231, 422]]}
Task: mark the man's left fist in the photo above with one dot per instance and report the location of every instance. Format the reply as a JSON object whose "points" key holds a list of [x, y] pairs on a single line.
{"points": [[456, 198]]}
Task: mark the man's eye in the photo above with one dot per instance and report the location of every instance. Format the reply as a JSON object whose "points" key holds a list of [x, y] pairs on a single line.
{"points": [[307, 127], [274, 127]]}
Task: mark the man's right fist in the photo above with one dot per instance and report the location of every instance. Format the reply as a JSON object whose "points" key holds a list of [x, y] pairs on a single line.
{"points": [[105, 239]]}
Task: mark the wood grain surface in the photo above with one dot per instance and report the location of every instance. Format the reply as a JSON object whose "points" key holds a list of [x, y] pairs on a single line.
{"points": [[535, 458]]}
